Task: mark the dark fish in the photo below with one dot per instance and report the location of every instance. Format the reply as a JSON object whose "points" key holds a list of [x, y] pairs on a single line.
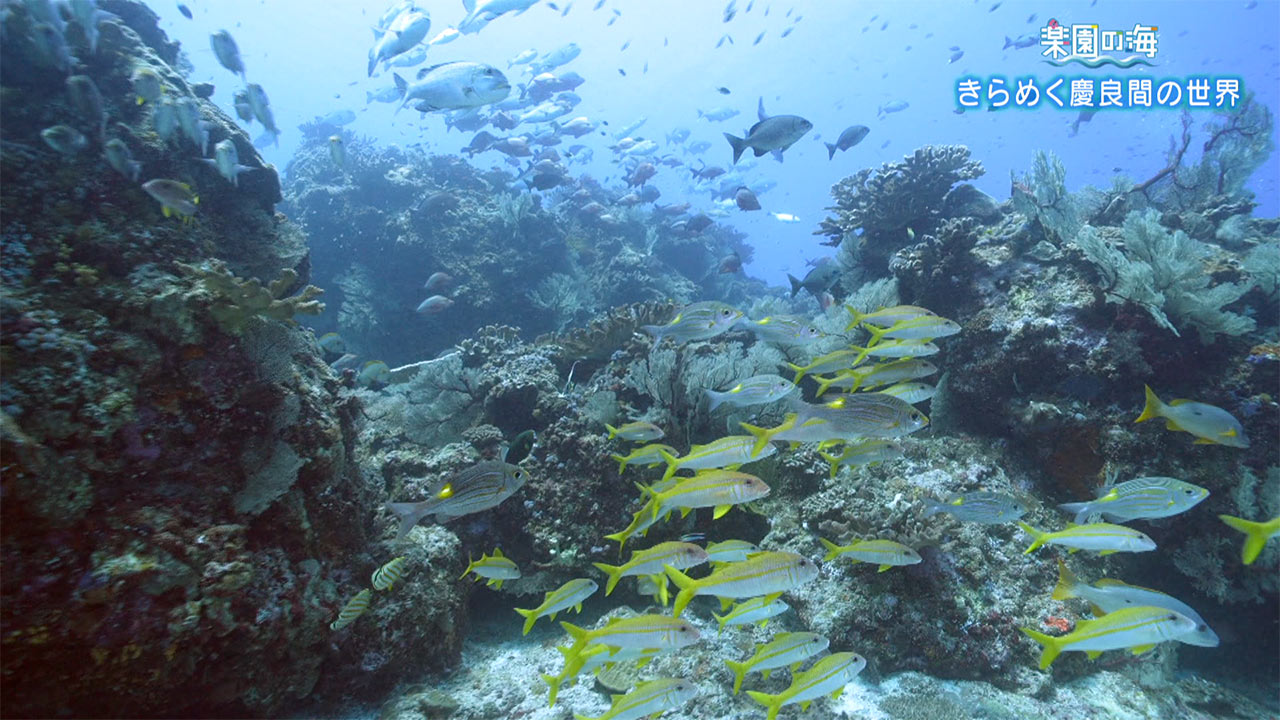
{"points": [[698, 223], [622, 72], [730, 263], [1025, 41], [884, 144], [746, 199], [520, 447], [787, 31], [770, 135], [851, 136], [625, 45], [186, 11], [953, 48], [434, 304], [994, 7], [439, 281], [759, 37], [817, 281], [481, 142], [1031, 19], [722, 90], [436, 203], [955, 56], [553, 6]]}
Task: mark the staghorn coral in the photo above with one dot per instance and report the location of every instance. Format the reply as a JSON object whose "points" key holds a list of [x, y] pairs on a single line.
{"points": [[233, 300]]}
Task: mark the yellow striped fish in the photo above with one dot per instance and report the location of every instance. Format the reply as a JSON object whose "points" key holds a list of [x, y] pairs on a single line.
{"points": [[568, 595], [640, 632], [1137, 628], [479, 487], [873, 415], [354, 608], [766, 573], [885, 553], [385, 577], [650, 698], [727, 452], [719, 489], [828, 676], [494, 568]]}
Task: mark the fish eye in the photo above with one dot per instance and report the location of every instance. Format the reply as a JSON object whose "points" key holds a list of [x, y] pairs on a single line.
{"points": [[1189, 491], [517, 474], [725, 312]]}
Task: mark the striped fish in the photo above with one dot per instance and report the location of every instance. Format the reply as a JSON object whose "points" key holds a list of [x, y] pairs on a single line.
{"points": [[785, 329], [872, 415], [755, 610], [793, 431], [912, 392], [790, 648], [885, 553], [925, 327], [1137, 628], [766, 573], [1140, 499], [728, 451], [385, 577], [828, 676], [699, 321], [592, 659], [642, 631], [478, 488], [886, 317], [719, 489], [495, 569], [681, 555], [1102, 538], [863, 452], [649, 698], [647, 455], [568, 595], [354, 608], [891, 372], [1109, 595], [989, 508], [730, 551], [754, 390], [896, 349], [830, 362]]}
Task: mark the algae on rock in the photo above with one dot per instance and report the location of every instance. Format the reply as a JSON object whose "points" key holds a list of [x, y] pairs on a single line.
{"points": [[235, 299]]}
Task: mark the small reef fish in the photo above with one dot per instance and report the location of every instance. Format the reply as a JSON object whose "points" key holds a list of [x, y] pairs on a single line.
{"points": [[1107, 595], [520, 448], [478, 488], [863, 452], [260, 106], [1256, 534], [593, 659], [787, 649], [147, 85], [912, 392], [884, 553], [374, 372], [354, 608], [640, 632], [828, 676], [332, 342], [434, 305], [65, 139], [1140, 499], [438, 282], [763, 574], [699, 321], [1102, 538], [772, 134], [873, 376], [1210, 425], [338, 151], [988, 508], [794, 432], [226, 160], [834, 360], [681, 555], [755, 610], [785, 330], [175, 198], [87, 102], [731, 451], [641, 521], [851, 136], [385, 577], [925, 327], [731, 551], [866, 414], [718, 489], [495, 569], [886, 317], [569, 595], [896, 349], [228, 53], [816, 281], [638, 431], [648, 699], [1137, 629], [646, 455], [755, 390], [121, 159]]}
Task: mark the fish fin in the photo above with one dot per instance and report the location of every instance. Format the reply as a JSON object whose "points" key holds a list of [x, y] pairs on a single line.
{"points": [[738, 144], [1067, 583], [615, 574], [1052, 646], [836, 695], [760, 114], [772, 703], [1203, 441], [762, 436], [580, 639], [1081, 509], [862, 353], [805, 705], [554, 683], [777, 154], [739, 671], [166, 211], [1092, 654], [1256, 535], [1034, 533], [530, 617], [833, 550], [1097, 611], [613, 431], [831, 150], [622, 462], [882, 568], [714, 399], [672, 464], [688, 588], [1153, 406], [408, 514], [684, 512], [719, 511]]}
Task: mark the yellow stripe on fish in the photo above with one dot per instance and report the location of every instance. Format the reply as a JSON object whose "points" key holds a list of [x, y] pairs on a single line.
{"points": [[354, 608], [568, 595], [385, 577], [884, 553], [765, 573]]}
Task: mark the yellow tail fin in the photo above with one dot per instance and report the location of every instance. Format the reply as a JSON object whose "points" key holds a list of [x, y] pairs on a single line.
{"points": [[1256, 535], [762, 437], [688, 588], [1039, 537], [615, 574], [530, 617], [1152, 408], [1052, 646], [772, 702], [739, 671], [1067, 583], [833, 550], [613, 431]]}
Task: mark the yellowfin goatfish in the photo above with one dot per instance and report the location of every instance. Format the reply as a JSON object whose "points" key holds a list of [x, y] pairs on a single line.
{"points": [[354, 608], [835, 360], [385, 577], [866, 414], [640, 523], [643, 631], [646, 455], [1210, 424], [785, 330], [1136, 628], [1102, 538], [478, 488], [650, 698], [912, 392], [755, 610], [568, 595], [635, 431], [766, 573], [828, 676], [682, 555], [1256, 534], [863, 452], [752, 391], [890, 372], [495, 569], [886, 317], [896, 349], [1140, 499], [699, 321], [988, 508], [786, 649], [884, 553], [1109, 595], [793, 431], [731, 451], [925, 327], [592, 659], [719, 489], [730, 551]]}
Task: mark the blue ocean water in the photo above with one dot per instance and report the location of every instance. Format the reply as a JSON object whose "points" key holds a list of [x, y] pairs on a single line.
{"points": [[838, 64]]}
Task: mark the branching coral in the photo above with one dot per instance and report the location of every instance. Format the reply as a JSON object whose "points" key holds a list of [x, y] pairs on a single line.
{"points": [[606, 334], [896, 195], [235, 300], [1164, 273]]}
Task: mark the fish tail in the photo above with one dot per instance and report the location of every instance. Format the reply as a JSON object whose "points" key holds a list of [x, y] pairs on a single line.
{"points": [[655, 331], [831, 150], [763, 435], [857, 316], [862, 354], [672, 464], [1153, 408], [833, 550], [408, 514], [580, 638], [1039, 537], [622, 462], [552, 682], [530, 617], [823, 384], [1256, 535], [715, 399], [877, 334], [739, 145], [1081, 510], [796, 284], [833, 462], [613, 431], [1052, 646], [615, 574], [932, 507], [799, 372], [772, 702], [1067, 582], [688, 587], [739, 671], [1007, 43]]}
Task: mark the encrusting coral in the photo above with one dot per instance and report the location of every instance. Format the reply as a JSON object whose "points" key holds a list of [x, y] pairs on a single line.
{"points": [[235, 300]]}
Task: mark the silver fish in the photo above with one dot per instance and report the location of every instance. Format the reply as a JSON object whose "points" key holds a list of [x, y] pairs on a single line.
{"points": [[478, 488], [988, 508]]}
